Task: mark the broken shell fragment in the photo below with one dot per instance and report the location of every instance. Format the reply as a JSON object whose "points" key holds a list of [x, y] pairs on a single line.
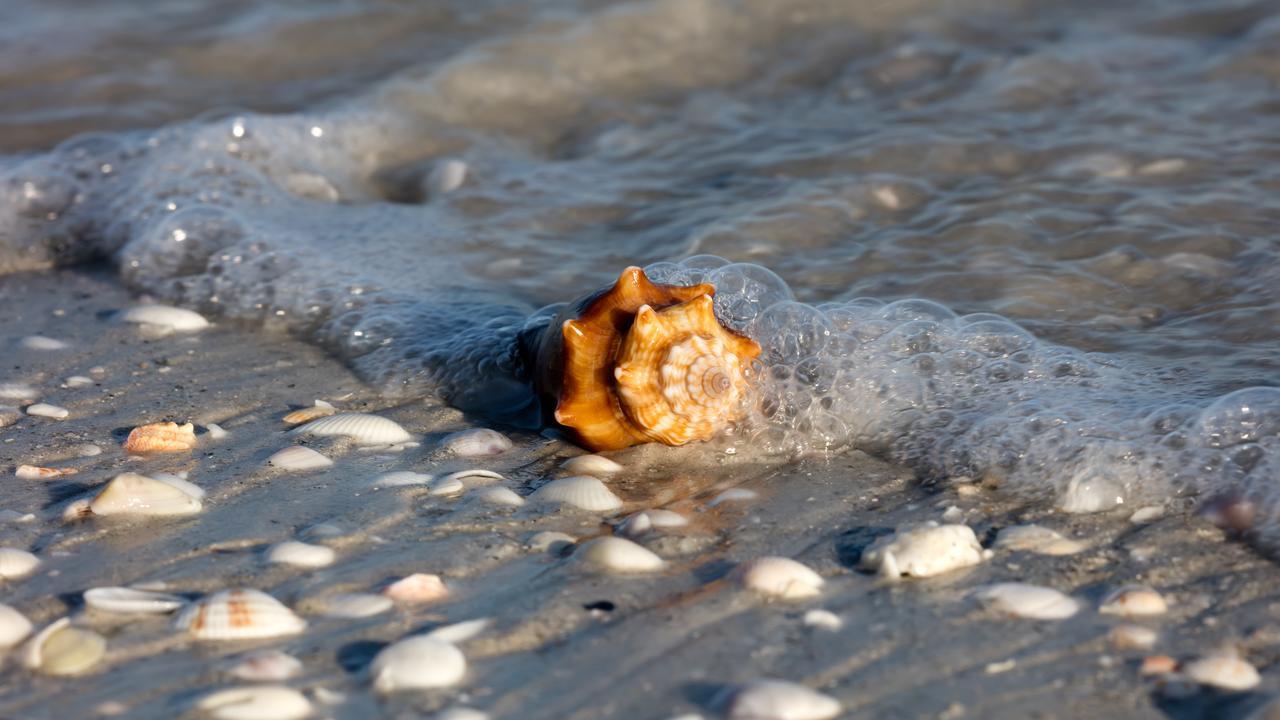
{"points": [[582, 491], [1134, 601], [780, 700], [297, 459], [14, 627], [822, 620], [617, 555], [125, 600], [476, 442], [266, 666], [63, 650], [460, 632], [550, 541], [165, 316], [474, 477], [258, 702], [300, 554], [164, 437], [16, 564], [1037, 539], [1223, 671], [307, 414], [417, 588], [363, 428], [1033, 602], [924, 551], [781, 577], [34, 472], [417, 663], [238, 615], [594, 465], [134, 494]]}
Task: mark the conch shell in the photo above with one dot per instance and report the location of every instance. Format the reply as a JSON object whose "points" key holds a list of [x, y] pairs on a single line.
{"points": [[643, 362]]}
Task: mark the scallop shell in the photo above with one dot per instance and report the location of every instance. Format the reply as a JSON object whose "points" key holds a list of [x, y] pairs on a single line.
{"points": [[47, 410], [417, 588], [363, 428], [780, 700], [297, 458], [300, 554], [257, 702], [923, 551], [14, 627], [164, 437], [596, 465], [238, 615], [315, 412], [617, 555], [1223, 671], [165, 316], [476, 442], [16, 564], [781, 577], [417, 663], [356, 605], [63, 650], [125, 600], [34, 472], [134, 494], [1134, 601], [1034, 602], [266, 666], [583, 492]]}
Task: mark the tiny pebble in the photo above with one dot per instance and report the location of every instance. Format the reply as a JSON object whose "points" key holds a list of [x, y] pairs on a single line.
{"points": [[823, 620]]}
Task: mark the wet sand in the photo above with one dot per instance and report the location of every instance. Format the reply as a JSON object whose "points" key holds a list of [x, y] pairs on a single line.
{"points": [[565, 641]]}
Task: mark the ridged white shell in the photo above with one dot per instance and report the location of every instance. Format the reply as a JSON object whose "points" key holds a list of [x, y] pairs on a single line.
{"points": [[297, 459], [401, 478], [1034, 602], [16, 564], [266, 666], [1037, 539], [781, 577], [14, 627], [125, 600], [476, 442], [617, 555], [166, 316], [300, 554], [257, 702], [417, 663], [46, 410], [1134, 601], [363, 428], [500, 496], [357, 605], [594, 465], [134, 494], [238, 615], [582, 491], [63, 650], [780, 700], [1223, 671], [930, 549], [417, 588]]}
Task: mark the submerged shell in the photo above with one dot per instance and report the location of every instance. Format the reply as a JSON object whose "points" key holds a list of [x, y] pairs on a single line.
{"points": [[14, 627], [63, 650], [417, 588], [300, 554], [582, 491], [297, 458], [1037, 539], [474, 477], [597, 465], [417, 663], [130, 600], [1133, 637], [500, 496], [924, 551], [1223, 671], [401, 478], [363, 428], [476, 442], [35, 472], [165, 316], [1134, 601], [646, 520], [356, 605], [307, 414], [613, 554], [781, 577], [780, 700], [266, 666], [447, 485], [238, 615], [1034, 602], [134, 494], [16, 564], [164, 437], [257, 702]]}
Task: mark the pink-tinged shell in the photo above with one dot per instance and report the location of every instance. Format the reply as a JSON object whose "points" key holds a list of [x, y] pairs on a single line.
{"points": [[238, 615], [417, 588], [165, 437]]}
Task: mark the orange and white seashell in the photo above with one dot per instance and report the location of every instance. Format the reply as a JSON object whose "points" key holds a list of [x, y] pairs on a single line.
{"points": [[164, 437], [307, 414], [35, 472], [417, 588], [238, 615], [643, 362]]}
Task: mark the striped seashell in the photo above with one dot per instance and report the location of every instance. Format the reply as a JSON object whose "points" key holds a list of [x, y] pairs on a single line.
{"points": [[363, 428], [307, 414], [583, 492], [238, 615], [165, 316], [297, 458], [131, 601], [134, 494], [164, 437]]}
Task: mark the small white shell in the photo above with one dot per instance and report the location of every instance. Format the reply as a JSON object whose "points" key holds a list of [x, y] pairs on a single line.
{"points": [[581, 491], [14, 627], [477, 442], [618, 555], [49, 411], [594, 465], [16, 564], [460, 713], [357, 605], [780, 700], [447, 485], [1089, 493], [550, 541], [401, 478], [417, 588], [474, 477], [238, 615], [165, 316], [646, 520], [300, 554], [17, 391], [1134, 601], [927, 550], [134, 494], [363, 428], [40, 342], [1034, 602], [35, 472], [125, 600], [417, 663], [733, 495], [215, 431], [1146, 514], [258, 702], [781, 577], [1223, 671], [823, 620], [63, 650], [460, 632], [500, 496], [1037, 539], [298, 458], [447, 176], [77, 381], [1133, 637], [266, 666]]}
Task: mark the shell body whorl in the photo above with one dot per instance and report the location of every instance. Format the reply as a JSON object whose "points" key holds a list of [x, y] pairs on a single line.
{"points": [[643, 362]]}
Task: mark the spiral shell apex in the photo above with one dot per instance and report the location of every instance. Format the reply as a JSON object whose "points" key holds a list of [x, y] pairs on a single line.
{"points": [[644, 362]]}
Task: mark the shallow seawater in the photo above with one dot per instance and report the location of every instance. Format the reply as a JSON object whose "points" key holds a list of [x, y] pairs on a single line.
{"points": [[1028, 242]]}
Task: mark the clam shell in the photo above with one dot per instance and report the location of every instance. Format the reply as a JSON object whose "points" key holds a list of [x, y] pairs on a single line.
{"points": [[582, 491], [215, 431], [363, 428], [315, 412], [238, 615], [134, 494], [616, 555], [34, 472], [258, 702], [401, 478], [266, 666], [1037, 539], [63, 650], [164, 437], [14, 627], [417, 588], [594, 465], [781, 577], [473, 477], [125, 600], [1134, 601], [1223, 671], [927, 550], [298, 458], [300, 554], [500, 496], [780, 700], [1034, 602], [171, 317], [646, 520], [16, 564], [417, 663], [477, 442], [47, 410], [357, 605], [77, 381]]}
